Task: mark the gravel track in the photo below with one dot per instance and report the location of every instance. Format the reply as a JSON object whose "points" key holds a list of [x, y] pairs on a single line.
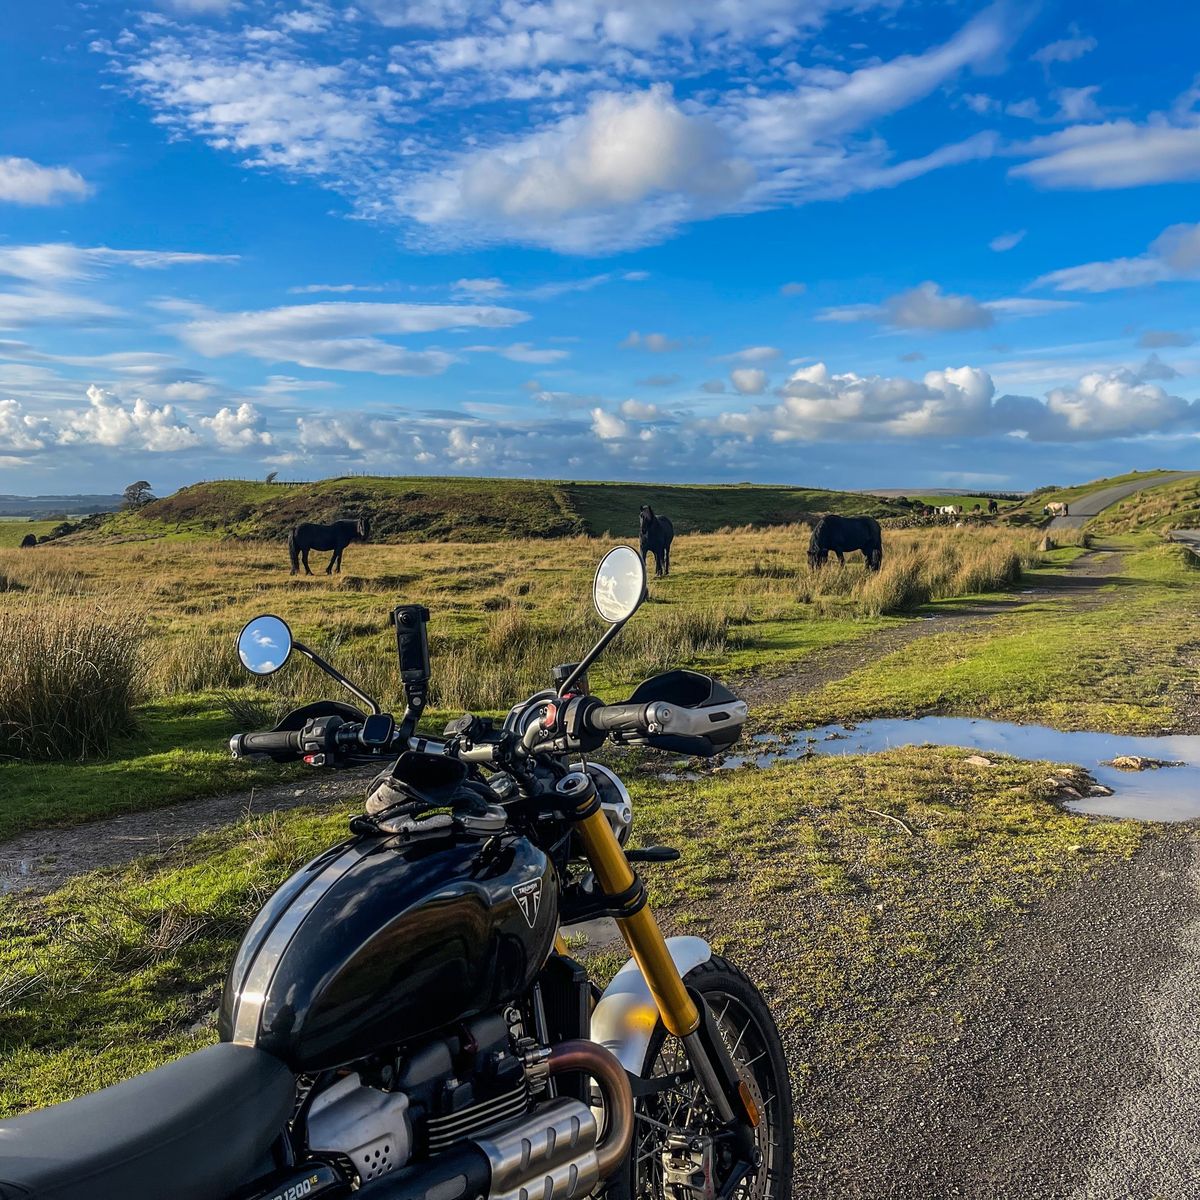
{"points": [[1049, 1071]]}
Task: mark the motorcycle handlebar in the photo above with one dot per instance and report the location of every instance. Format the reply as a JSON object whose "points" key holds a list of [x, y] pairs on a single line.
{"points": [[285, 745], [611, 718]]}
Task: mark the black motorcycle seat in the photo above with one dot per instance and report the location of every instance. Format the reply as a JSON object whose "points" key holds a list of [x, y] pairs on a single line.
{"points": [[196, 1129]]}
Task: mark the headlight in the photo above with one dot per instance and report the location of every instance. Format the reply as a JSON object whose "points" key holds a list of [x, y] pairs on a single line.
{"points": [[614, 798]]}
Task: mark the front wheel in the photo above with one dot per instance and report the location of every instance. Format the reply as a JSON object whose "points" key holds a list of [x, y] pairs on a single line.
{"points": [[674, 1146]]}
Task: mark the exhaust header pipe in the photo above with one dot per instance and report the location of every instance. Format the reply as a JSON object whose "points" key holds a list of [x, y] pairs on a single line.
{"points": [[554, 1153]]}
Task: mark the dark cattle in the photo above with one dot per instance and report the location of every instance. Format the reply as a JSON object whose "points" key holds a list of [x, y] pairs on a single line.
{"points": [[657, 534], [841, 536], [30, 539], [335, 537], [993, 507]]}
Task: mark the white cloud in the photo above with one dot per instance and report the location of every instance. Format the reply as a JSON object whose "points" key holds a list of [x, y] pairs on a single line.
{"points": [[608, 426], [749, 381], [138, 426], [1114, 154], [655, 343], [927, 307], [58, 262], [713, 386], [489, 121], [923, 307], [1173, 255], [22, 432], [623, 173], [793, 289], [1078, 104], [23, 181], [1006, 241], [639, 410], [523, 352], [959, 402], [1066, 49], [315, 289], [238, 428], [254, 99], [1115, 404], [479, 287], [753, 354], [340, 335]]}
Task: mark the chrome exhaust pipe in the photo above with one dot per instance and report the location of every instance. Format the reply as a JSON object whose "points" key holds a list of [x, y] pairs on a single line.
{"points": [[592, 1059]]}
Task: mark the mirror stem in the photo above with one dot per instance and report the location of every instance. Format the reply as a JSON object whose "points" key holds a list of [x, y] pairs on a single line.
{"points": [[334, 673], [590, 657]]}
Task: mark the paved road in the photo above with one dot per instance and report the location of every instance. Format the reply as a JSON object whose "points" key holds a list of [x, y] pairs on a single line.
{"points": [[1087, 507], [1189, 537]]}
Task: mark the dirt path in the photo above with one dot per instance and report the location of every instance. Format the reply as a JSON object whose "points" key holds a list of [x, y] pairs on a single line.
{"points": [[45, 859], [1066, 1066], [1082, 582]]}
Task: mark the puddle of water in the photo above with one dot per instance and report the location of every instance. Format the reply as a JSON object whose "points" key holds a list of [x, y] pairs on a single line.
{"points": [[1165, 794]]}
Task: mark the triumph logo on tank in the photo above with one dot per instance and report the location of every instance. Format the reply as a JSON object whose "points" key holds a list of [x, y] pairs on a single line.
{"points": [[529, 897]]}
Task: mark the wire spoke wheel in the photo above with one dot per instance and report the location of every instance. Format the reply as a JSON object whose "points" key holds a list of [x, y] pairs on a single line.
{"points": [[677, 1152]]}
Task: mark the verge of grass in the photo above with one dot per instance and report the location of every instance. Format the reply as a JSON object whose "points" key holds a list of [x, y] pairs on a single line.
{"points": [[1126, 663], [841, 915]]}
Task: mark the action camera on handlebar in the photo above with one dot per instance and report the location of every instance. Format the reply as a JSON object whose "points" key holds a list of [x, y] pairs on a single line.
{"points": [[412, 648]]}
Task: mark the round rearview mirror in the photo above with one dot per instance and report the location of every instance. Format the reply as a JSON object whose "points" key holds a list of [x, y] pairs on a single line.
{"points": [[264, 644], [620, 584]]}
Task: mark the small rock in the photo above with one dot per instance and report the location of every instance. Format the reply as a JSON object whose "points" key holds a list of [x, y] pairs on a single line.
{"points": [[978, 760], [1098, 789], [1135, 762]]}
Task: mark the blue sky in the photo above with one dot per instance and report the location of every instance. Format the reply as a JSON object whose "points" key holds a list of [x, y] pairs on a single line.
{"points": [[833, 242]]}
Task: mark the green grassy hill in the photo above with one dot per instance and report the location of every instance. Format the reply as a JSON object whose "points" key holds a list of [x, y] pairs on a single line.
{"points": [[442, 509]]}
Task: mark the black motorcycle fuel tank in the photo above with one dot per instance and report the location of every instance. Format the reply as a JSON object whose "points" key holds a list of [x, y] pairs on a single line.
{"points": [[375, 943]]}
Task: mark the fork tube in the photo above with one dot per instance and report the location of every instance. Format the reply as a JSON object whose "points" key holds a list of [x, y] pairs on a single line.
{"points": [[641, 931]]}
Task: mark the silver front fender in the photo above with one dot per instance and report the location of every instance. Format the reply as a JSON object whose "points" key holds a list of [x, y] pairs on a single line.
{"points": [[626, 1014]]}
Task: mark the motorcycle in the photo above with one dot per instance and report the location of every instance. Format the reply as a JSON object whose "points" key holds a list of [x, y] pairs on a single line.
{"points": [[403, 1017]]}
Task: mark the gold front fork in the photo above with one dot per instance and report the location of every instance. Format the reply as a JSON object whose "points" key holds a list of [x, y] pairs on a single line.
{"points": [[641, 931]]}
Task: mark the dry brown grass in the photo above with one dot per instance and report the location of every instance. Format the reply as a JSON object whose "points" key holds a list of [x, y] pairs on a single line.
{"points": [[70, 676], [503, 613]]}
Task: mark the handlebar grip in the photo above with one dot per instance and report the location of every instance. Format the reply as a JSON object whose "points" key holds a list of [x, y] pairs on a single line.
{"points": [[612, 717], [280, 746]]}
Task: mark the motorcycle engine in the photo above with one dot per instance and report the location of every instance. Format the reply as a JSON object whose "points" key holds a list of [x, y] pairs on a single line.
{"points": [[439, 1093]]}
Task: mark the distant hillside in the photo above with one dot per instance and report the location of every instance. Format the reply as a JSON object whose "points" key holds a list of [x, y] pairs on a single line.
{"points": [[443, 509], [40, 507]]}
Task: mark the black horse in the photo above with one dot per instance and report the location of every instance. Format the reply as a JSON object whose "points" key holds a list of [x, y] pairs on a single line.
{"points": [[335, 537], [993, 507], [844, 534], [657, 534]]}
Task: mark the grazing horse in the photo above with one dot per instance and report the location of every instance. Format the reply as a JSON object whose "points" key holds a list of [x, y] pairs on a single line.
{"points": [[335, 537], [843, 535], [657, 534]]}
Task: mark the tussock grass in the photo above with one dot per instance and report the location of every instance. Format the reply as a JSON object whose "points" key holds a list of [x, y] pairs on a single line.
{"points": [[70, 676]]}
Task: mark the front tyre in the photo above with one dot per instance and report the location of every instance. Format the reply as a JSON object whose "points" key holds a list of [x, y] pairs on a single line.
{"points": [[673, 1142]]}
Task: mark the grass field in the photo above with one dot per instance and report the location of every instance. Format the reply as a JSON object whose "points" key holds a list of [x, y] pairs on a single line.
{"points": [[122, 969], [13, 530], [966, 501], [503, 615]]}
